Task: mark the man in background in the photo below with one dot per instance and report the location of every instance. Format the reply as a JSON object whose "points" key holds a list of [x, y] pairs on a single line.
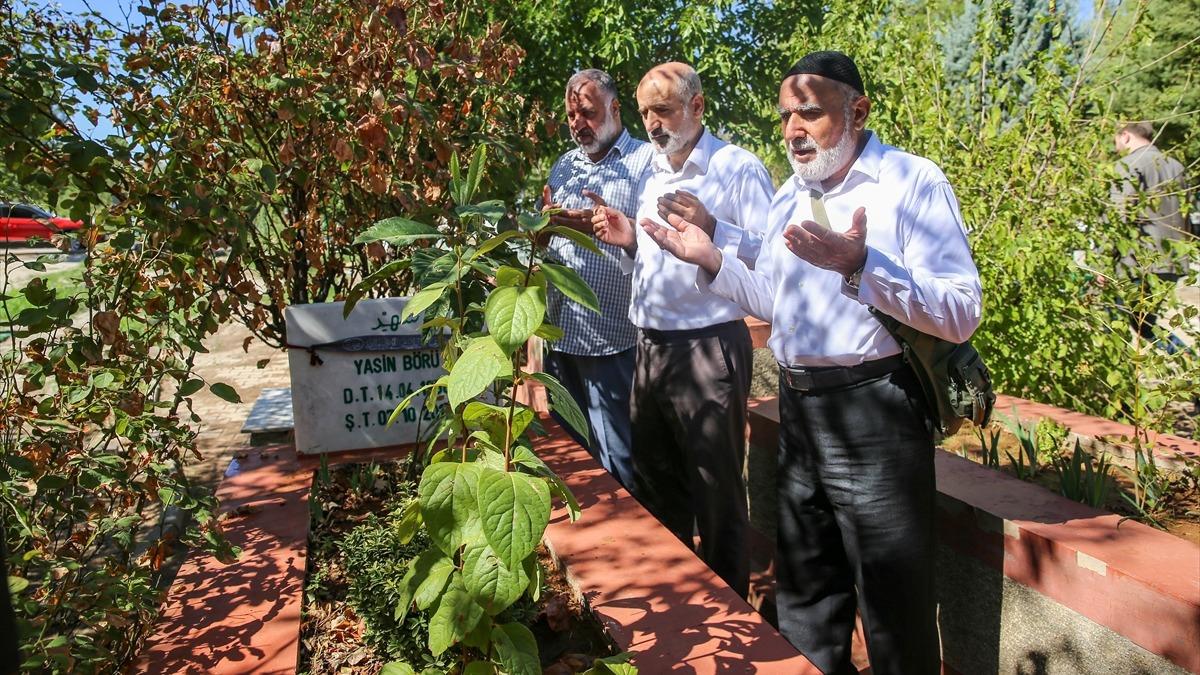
{"points": [[594, 358], [1149, 192]]}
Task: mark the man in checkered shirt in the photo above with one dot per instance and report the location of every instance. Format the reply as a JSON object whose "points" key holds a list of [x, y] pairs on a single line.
{"points": [[594, 358]]}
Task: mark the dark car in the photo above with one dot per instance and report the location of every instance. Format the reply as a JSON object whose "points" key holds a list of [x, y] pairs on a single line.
{"points": [[20, 222]]}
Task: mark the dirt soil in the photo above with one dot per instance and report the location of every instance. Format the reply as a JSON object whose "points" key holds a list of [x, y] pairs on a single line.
{"points": [[1180, 516]]}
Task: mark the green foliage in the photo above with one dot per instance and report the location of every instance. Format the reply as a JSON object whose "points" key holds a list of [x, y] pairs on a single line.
{"points": [[484, 501], [998, 41], [989, 446], [1151, 487], [1083, 479], [1027, 449], [1149, 69], [96, 377]]}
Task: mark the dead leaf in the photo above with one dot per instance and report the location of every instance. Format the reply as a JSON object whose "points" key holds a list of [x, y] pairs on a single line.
{"points": [[108, 324]]}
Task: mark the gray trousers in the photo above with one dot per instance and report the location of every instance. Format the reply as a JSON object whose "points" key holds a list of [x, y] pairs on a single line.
{"points": [[856, 504], [689, 439]]}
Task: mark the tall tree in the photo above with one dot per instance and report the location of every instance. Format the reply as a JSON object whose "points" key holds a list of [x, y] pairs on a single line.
{"points": [[996, 41], [1151, 51]]}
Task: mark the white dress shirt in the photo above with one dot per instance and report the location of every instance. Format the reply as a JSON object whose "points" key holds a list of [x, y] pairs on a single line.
{"points": [[918, 267], [736, 189]]}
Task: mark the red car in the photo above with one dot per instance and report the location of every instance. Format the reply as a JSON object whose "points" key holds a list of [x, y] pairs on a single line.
{"points": [[20, 222]]}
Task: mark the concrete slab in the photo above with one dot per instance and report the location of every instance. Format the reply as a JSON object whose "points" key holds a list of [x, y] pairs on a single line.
{"points": [[271, 413]]}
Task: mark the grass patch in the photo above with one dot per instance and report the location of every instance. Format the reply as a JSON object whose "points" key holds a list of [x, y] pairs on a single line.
{"points": [[67, 282]]}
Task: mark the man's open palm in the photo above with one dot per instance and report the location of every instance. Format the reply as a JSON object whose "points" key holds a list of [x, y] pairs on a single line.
{"points": [[685, 240]]}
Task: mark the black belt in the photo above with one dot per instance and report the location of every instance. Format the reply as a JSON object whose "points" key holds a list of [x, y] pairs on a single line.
{"points": [[715, 330], [833, 377]]}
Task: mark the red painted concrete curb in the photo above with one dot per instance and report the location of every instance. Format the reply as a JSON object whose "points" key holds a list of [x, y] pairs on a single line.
{"points": [[652, 593], [243, 617], [655, 597], [1140, 582]]}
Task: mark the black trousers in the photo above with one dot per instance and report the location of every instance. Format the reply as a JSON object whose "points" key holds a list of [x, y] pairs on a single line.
{"points": [[856, 500], [689, 439]]}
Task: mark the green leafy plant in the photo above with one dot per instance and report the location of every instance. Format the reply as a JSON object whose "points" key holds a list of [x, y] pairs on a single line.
{"points": [[989, 448], [1049, 437], [1151, 487], [1083, 479], [484, 499], [1027, 449]]}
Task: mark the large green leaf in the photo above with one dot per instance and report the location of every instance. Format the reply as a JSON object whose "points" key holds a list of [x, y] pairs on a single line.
{"points": [[397, 230], [479, 365], [487, 246], [455, 616], [491, 211], [479, 668], [524, 458], [475, 172], [422, 300], [579, 238], [493, 584], [448, 493], [514, 510], [562, 402], [494, 419], [509, 276], [513, 313], [431, 587], [517, 649], [532, 221], [418, 572], [567, 281], [397, 668]]}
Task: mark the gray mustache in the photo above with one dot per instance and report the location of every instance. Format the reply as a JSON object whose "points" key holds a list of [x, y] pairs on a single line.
{"points": [[799, 145]]}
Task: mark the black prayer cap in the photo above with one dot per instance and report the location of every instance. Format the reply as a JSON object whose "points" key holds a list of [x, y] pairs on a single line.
{"points": [[831, 64]]}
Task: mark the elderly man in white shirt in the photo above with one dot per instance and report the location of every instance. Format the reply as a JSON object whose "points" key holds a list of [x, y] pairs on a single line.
{"points": [[861, 225], [692, 374]]}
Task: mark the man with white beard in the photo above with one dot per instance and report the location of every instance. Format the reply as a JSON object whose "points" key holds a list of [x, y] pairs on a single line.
{"points": [[855, 476], [594, 358], [692, 377]]}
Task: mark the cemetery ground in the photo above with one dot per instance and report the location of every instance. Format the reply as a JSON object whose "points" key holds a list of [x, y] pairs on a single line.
{"points": [[233, 358]]}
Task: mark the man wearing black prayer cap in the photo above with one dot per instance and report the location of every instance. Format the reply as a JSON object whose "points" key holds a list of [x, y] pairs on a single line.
{"points": [[860, 225]]}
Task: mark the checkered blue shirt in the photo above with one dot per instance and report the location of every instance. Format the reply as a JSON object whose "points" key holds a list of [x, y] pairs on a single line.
{"points": [[618, 178]]}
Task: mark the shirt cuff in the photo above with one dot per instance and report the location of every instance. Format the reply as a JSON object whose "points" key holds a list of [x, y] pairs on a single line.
{"points": [[880, 271], [625, 261], [728, 237], [724, 283]]}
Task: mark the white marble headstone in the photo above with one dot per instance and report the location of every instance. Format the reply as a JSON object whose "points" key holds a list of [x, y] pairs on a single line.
{"points": [[365, 365]]}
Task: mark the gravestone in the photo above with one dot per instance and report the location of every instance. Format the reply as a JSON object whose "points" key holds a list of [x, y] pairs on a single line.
{"points": [[348, 375]]}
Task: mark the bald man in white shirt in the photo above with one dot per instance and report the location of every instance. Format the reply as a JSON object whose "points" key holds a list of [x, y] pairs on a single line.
{"points": [[693, 362], [860, 225]]}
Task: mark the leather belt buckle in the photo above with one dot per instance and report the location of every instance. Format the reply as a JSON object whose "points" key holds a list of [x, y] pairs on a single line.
{"points": [[798, 379]]}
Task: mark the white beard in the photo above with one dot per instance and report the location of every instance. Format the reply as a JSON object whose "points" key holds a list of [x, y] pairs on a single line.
{"points": [[675, 141], [606, 135], [827, 160]]}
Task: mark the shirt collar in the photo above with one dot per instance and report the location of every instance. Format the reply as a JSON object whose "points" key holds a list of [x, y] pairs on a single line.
{"points": [[698, 157], [622, 147], [867, 163]]}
